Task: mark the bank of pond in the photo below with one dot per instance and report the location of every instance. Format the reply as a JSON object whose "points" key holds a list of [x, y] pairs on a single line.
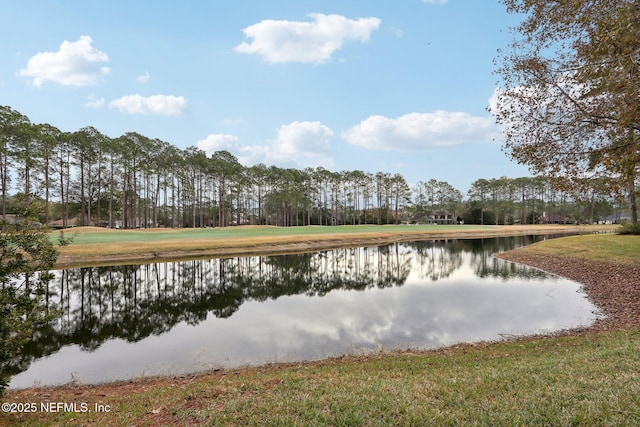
{"points": [[128, 321]]}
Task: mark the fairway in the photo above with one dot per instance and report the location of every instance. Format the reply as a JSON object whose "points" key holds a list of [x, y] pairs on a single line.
{"points": [[89, 235], [93, 246]]}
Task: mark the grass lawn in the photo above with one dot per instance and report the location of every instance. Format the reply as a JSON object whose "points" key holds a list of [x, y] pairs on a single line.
{"points": [[91, 245], [91, 235], [593, 247]]}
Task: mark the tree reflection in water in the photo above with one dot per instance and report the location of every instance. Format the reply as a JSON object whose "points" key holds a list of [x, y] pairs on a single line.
{"points": [[132, 302]]}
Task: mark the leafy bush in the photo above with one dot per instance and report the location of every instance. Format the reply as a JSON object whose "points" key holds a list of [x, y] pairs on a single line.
{"points": [[629, 229], [26, 255]]}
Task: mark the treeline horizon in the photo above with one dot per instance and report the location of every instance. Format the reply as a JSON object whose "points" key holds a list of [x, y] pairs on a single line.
{"points": [[133, 181]]}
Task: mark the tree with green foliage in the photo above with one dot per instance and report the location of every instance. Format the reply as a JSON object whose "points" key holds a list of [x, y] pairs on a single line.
{"points": [[26, 256], [48, 137], [85, 177], [9, 120]]}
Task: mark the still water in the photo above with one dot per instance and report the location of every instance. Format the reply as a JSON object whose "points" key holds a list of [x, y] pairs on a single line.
{"points": [[123, 322]]}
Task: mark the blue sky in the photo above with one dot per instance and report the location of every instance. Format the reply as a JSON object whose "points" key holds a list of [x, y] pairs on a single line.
{"points": [[375, 85]]}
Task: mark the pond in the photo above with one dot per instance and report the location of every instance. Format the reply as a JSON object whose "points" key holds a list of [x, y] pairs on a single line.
{"points": [[123, 322]]}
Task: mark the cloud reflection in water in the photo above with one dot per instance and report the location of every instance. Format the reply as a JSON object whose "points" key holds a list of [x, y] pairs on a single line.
{"points": [[311, 306]]}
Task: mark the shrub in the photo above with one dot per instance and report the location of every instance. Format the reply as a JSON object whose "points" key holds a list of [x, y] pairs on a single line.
{"points": [[26, 255], [629, 229]]}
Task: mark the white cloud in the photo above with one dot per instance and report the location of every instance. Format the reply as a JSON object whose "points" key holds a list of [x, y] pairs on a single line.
{"points": [[143, 78], [163, 105], [297, 144], [435, 1], [310, 42], [95, 102], [74, 64], [421, 131], [218, 142], [306, 143]]}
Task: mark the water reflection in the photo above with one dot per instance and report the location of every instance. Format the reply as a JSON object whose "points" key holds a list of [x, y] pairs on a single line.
{"points": [[126, 321]]}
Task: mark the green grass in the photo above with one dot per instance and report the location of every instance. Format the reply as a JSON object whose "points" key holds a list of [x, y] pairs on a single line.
{"points": [[594, 247], [591, 380], [88, 237], [93, 246]]}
